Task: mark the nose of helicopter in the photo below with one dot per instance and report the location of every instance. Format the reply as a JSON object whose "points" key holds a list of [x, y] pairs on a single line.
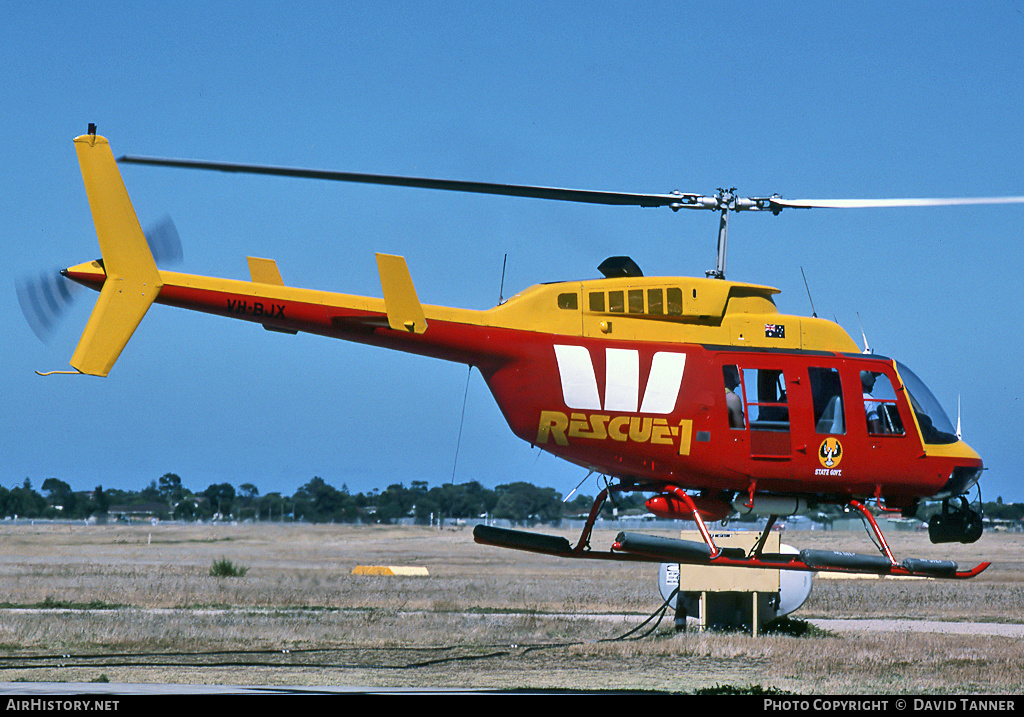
{"points": [[966, 471]]}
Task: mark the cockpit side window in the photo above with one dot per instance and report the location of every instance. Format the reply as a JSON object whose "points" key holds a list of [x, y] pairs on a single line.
{"points": [[880, 410]]}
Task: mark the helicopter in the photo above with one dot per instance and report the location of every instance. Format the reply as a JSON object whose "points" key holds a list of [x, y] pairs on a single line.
{"points": [[695, 389]]}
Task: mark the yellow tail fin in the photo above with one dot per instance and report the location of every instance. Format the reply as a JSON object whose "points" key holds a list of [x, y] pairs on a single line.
{"points": [[133, 281]]}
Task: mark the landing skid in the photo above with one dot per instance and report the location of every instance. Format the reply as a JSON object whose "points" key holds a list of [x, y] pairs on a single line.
{"points": [[638, 547]]}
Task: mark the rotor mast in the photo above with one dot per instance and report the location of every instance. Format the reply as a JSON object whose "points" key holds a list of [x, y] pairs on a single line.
{"points": [[725, 201]]}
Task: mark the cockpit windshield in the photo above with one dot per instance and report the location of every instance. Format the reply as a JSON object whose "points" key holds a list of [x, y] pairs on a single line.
{"points": [[935, 425]]}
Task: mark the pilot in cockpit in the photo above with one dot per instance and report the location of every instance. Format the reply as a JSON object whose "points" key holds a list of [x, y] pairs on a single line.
{"points": [[872, 408]]}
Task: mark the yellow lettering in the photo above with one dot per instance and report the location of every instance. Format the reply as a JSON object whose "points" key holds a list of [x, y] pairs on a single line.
{"points": [[685, 431], [582, 427], [640, 429], [662, 432], [552, 423], [579, 427], [616, 428]]}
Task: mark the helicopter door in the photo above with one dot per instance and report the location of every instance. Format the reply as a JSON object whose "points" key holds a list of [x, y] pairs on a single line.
{"points": [[766, 410], [827, 400]]}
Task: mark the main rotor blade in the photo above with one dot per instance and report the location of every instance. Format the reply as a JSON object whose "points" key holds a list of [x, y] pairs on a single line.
{"points": [[869, 203], [675, 200]]}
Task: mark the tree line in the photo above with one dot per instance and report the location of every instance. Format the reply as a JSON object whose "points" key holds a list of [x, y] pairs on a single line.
{"points": [[317, 501]]}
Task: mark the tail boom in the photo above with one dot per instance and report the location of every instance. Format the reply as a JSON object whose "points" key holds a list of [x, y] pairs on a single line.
{"points": [[129, 282], [457, 335]]}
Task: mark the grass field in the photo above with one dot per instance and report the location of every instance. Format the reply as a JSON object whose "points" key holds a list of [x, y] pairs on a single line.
{"points": [[138, 604]]}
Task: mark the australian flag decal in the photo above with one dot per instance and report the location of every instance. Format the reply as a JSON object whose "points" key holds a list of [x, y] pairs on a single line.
{"points": [[774, 331]]}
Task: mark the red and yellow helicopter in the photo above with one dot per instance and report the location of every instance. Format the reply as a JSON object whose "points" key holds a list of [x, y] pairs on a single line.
{"points": [[695, 389]]}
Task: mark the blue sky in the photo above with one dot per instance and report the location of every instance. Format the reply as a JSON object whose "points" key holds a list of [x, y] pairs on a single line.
{"points": [[808, 100]]}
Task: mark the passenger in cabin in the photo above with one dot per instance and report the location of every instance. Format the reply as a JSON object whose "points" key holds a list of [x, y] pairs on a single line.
{"points": [[733, 403]]}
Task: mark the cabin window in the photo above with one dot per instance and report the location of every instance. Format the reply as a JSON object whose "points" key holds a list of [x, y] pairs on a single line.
{"points": [[764, 392], [655, 301], [659, 302], [827, 400], [880, 404], [733, 402], [636, 301], [674, 299], [568, 301]]}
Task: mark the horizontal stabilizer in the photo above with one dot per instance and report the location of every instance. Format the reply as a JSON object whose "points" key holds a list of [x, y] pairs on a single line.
{"points": [[265, 271], [405, 313]]}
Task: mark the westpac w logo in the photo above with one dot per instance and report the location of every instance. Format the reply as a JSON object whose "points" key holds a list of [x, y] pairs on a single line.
{"points": [[622, 380]]}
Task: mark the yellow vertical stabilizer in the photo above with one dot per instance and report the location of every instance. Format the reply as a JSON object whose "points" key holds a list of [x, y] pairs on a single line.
{"points": [[133, 281]]}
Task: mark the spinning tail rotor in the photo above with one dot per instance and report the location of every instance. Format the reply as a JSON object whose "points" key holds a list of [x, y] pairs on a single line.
{"points": [[46, 297]]}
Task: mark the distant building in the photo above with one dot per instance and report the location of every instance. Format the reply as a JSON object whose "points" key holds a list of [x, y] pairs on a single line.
{"points": [[137, 513]]}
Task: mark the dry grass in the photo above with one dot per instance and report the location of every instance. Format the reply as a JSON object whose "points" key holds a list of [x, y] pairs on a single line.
{"points": [[483, 618]]}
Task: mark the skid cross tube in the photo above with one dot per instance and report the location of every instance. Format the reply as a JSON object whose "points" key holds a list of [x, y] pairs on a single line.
{"points": [[588, 527], [764, 537], [704, 532], [883, 546]]}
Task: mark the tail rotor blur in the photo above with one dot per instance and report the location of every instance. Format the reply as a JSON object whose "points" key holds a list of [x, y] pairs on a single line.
{"points": [[164, 242], [45, 298]]}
